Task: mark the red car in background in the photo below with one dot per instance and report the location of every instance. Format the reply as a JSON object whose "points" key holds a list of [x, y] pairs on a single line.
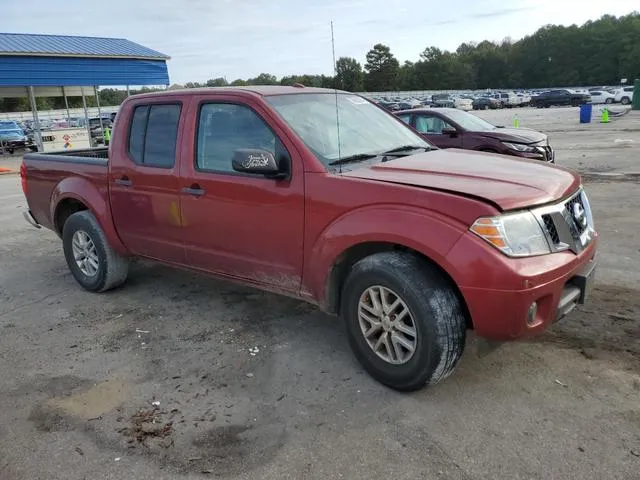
{"points": [[452, 128]]}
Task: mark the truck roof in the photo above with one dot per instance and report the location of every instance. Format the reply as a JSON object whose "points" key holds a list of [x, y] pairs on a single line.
{"points": [[261, 90]]}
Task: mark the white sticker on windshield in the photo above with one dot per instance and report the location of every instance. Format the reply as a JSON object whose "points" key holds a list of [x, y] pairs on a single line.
{"points": [[356, 100]]}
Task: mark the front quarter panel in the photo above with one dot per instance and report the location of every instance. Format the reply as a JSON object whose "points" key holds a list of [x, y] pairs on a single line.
{"points": [[427, 232]]}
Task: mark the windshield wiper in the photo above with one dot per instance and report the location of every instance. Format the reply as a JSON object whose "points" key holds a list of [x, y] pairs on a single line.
{"points": [[406, 148], [354, 158]]}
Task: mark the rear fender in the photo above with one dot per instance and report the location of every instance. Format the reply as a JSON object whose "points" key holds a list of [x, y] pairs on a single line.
{"points": [[424, 231], [97, 202]]}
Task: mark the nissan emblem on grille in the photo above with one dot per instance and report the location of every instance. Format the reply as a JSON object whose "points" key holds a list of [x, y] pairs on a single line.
{"points": [[579, 215]]}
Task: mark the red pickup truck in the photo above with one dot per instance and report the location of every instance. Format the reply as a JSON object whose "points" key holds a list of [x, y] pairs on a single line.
{"points": [[324, 196]]}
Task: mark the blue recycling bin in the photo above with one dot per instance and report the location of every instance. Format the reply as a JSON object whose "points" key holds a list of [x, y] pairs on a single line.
{"points": [[585, 112]]}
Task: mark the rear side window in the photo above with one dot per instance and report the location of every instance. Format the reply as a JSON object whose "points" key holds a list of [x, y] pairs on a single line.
{"points": [[153, 135]]}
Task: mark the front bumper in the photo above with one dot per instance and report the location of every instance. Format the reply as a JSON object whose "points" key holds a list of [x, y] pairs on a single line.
{"points": [[499, 291]]}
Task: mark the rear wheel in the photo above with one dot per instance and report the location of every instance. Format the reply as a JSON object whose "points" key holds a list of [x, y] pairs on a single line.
{"points": [[93, 263], [625, 100], [485, 107], [404, 320], [608, 101]]}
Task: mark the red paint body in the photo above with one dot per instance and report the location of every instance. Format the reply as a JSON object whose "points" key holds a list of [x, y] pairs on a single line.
{"points": [[286, 235]]}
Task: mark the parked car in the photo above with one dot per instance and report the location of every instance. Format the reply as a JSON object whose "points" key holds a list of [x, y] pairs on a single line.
{"points": [[524, 100], [485, 103], [13, 137], [409, 244], [506, 100], [450, 128], [559, 98], [624, 95], [602, 96], [442, 100], [463, 103]]}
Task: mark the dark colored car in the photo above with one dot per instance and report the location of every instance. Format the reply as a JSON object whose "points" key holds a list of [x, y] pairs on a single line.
{"points": [[443, 100], [13, 137], [451, 128], [559, 98], [485, 103]]}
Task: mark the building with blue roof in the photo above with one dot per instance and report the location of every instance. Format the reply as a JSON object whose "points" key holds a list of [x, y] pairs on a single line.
{"points": [[61, 65]]}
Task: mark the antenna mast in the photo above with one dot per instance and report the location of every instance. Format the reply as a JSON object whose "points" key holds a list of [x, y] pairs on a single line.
{"points": [[335, 78]]}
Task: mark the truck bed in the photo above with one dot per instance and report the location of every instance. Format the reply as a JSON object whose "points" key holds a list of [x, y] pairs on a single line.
{"points": [[45, 174]]}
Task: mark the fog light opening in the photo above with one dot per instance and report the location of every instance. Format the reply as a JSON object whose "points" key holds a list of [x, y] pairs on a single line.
{"points": [[531, 314]]}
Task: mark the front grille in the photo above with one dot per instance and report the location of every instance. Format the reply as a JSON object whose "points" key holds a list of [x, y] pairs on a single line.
{"points": [[570, 205], [551, 229], [565, 226]]}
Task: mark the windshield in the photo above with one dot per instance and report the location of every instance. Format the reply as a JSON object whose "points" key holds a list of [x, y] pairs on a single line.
{"points": [[364, 128], [470, 122], [9, 126]]}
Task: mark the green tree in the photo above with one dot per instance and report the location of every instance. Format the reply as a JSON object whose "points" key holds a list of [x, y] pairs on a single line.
{"points": [[263, 79], [349, 75], [217, 82], [382, 69]]}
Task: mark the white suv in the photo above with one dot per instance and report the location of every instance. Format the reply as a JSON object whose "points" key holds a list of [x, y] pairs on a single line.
{"points": [[624, 95]]}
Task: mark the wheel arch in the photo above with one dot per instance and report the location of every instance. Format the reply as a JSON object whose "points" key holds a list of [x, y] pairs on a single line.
{"points": [[75, 194], [343, 263]]}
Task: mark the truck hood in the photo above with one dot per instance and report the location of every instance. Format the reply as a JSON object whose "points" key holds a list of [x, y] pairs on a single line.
{"points": [[515, 135], [507, 182]]}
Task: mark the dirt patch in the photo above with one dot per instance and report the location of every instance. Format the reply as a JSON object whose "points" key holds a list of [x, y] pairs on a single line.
{"points": [[149, 428], [610, 322], [92, 403]]}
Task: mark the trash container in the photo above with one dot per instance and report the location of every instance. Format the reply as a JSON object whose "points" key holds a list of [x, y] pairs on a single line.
{"points": [[585, 112]]}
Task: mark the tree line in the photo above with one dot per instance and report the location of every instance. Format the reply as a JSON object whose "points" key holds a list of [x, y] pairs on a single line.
{"points": [[600, 52]]}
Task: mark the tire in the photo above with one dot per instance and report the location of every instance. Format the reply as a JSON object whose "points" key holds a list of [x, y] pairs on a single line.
{"points": [[112, 268], [609, 101], [625, 100], [485, 107], [434, 310]]}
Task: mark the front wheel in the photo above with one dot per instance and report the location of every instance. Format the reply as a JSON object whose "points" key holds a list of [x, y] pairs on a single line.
{"points": [[404, 320], [625, 100], [92, 261]]}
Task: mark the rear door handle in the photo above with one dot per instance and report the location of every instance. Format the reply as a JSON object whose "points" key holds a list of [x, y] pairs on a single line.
{"points": [[124, 182], [194, 190]]}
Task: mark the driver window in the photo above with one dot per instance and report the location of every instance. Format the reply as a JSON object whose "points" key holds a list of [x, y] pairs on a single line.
{"points": [[430, 125], [223, 128]]}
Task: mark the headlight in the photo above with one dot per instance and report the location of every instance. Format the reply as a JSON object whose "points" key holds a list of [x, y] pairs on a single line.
{"points": [[515, 234], [519, 147]]}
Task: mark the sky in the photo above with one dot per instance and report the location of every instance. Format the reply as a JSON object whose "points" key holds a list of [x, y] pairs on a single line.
{"points": [[242, 38]]}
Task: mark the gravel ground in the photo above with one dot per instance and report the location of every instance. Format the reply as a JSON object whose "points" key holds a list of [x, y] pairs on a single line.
{"points": [[177, 375]]}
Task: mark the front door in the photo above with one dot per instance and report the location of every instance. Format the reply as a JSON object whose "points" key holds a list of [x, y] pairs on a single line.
{"points": [[144, 183], [431, 127], [235, 224]]}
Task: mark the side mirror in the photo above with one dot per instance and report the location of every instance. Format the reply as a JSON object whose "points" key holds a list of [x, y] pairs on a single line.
{"points": [[449, 131], [259, 162]]}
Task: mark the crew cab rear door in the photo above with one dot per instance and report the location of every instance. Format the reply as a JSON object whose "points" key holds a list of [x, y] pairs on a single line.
{"points": [[237, 224], [143, 179]]}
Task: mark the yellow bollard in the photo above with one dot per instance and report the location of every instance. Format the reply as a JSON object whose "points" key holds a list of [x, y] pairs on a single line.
{"points": [[605, 116], [516, 121]]}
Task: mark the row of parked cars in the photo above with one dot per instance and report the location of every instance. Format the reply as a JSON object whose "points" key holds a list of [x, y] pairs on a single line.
{"points": [[510, 99], [19, 135]]}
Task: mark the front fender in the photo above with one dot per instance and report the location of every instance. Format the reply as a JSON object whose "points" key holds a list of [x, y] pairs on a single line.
{"points": [[424, 231], [95, 198]]}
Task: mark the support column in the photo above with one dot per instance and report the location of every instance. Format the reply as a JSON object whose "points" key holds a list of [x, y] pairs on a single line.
{"points": [[36, 122]]}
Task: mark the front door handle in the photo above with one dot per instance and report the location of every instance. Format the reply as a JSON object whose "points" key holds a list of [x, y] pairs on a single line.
{"points": [[123, 181], [194, 190]]}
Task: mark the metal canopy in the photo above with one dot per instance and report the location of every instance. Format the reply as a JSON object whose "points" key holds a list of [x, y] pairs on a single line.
{"points": [[55, 60], [58, 65]]}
